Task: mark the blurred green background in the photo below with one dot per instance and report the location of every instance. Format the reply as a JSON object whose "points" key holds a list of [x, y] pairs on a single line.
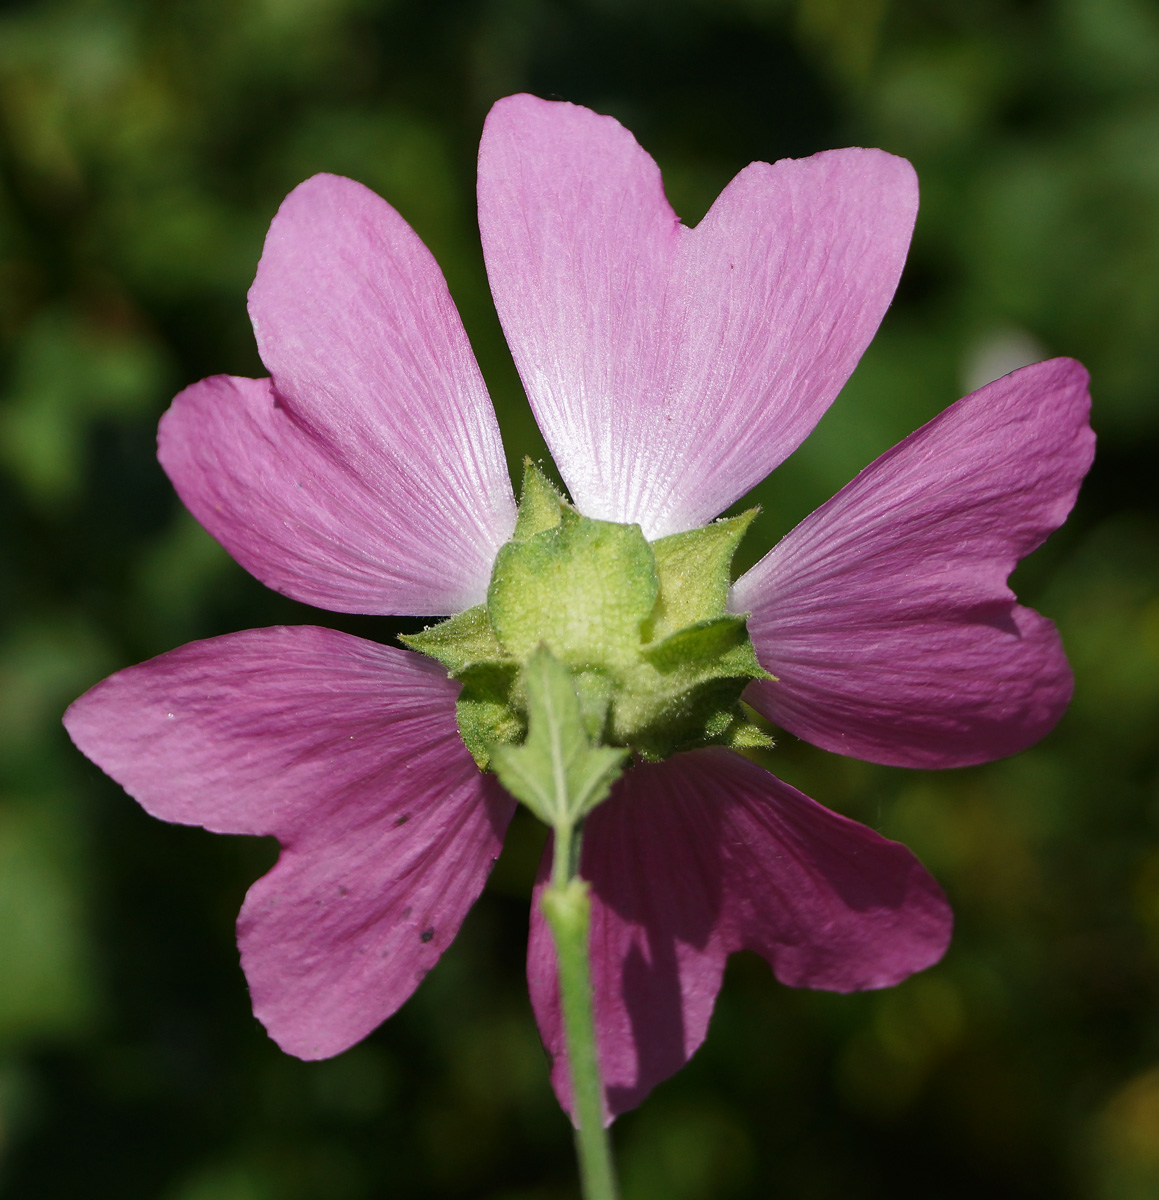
{"points": [[144, 146]]}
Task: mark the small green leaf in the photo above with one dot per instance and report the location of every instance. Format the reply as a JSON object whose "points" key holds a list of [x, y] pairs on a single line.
{"points": [[582, 589], [595, 691], [740, 735], [741, 662], [693, 569], [698, 716], [540, 506], [465, 638], [557, 772], [697, 644], [485, 710]]}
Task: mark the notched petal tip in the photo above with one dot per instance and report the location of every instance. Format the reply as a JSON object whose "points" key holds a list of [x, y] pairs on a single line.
{"points": [[706, 854], [886, 615], [348, 753], [672, 368], [380, 398], [308, 519]]}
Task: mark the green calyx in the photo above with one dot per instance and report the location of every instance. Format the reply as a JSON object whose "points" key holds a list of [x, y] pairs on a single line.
{"points": [[655, 663]]}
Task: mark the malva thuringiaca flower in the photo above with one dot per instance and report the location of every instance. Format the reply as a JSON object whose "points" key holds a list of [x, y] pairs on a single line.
{"points": [[670, 370]]}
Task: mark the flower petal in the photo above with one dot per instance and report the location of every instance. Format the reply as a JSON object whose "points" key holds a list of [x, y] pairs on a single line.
{"points": [[370, 476], [830, 903], [705, 854], [294, 515], [348, 753], [886, 617], [672, 368]]}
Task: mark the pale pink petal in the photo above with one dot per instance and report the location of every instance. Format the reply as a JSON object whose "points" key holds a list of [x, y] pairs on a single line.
{"points": [[669, 368], [289, 509], [370, 477], [705, 854], [886, 616], [349, 754]]}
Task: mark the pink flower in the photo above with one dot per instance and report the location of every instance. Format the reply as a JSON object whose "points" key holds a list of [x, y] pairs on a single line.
{"points": [[670, 369]]}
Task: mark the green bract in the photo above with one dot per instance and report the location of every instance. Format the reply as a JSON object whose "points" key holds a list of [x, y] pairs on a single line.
{"points": [[557, 772], [655, 663]]}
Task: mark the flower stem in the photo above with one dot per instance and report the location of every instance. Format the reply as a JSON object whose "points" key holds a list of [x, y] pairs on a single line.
{"points": [[567, 908]]}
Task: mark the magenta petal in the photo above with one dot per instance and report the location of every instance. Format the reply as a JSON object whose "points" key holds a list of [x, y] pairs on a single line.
{"points": [[670, 368], [830, 903], [348, 753], [886, 616], [371, 477], [652, 855], [706, 854]]}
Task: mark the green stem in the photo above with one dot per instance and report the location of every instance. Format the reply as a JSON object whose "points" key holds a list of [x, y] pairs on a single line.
{"points": [[567, 907]]}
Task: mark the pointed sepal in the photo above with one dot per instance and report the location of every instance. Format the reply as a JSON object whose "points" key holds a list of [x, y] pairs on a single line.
{"points": [[557, 772]]}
